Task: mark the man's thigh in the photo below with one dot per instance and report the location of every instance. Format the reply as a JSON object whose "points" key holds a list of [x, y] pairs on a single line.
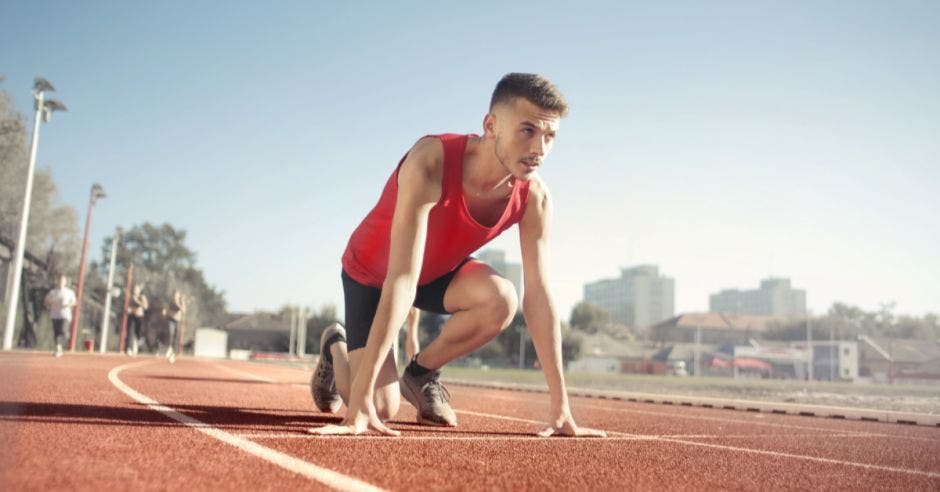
{"points": [[474, 283]]}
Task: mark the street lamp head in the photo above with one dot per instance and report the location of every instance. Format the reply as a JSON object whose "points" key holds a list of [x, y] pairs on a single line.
{"points": [[49, 106], [42, 85], [97, 191]]}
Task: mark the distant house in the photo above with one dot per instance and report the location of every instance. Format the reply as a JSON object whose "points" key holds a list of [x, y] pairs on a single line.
{"points": [[601, 352], [714, 328], [890, 360], [259, 332]]}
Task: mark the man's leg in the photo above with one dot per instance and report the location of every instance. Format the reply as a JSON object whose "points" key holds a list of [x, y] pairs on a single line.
{"points": [[344, 365], [58, 334], [411, 333], [483, 304]]}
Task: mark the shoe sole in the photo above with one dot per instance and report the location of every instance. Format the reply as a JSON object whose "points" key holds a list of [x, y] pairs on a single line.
{"points": [[409, 395]]}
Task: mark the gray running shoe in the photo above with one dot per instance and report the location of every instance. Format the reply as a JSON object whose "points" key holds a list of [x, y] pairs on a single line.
{"points": [[430, 397], [323, 384]]}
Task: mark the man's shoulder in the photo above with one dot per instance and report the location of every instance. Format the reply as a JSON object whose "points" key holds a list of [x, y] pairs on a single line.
{"points": [[428, 150], [538, 189]]}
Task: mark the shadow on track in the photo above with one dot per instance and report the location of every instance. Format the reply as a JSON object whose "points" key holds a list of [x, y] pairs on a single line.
{"points": [[140, 415], [211, 380]]}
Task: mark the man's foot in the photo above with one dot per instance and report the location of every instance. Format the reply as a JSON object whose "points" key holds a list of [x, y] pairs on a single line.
{"points": [[323, 384], [170, 356], [430, 397], [58, 351]]}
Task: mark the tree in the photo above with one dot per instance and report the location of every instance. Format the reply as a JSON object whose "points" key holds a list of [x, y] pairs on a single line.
{"points": [[588, 317], [318, 322], [164, 263], [847, 322]]}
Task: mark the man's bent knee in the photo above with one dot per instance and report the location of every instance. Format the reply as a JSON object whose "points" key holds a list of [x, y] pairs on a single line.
{"points": [[500, 307]]}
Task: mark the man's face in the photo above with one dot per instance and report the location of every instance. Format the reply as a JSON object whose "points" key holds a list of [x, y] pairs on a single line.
{"points": [[524, 134], [63, 281]]}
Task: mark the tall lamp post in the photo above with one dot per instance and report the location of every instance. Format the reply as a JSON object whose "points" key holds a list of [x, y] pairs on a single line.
{"points": [[96, 192], [44, 109], [106, 318]]}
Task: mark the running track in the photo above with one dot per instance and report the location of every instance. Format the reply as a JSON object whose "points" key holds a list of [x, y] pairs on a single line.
{"points": [[87, 422]]}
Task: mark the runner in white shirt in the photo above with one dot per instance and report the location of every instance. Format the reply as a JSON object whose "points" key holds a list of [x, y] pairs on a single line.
{"points": [[60, 302]]}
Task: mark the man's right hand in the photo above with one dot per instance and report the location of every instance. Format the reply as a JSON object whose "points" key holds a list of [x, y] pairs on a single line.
{"points": [[357, 421]]}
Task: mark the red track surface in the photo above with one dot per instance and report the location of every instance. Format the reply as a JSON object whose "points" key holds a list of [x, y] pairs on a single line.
{"points": [[65, 424]]}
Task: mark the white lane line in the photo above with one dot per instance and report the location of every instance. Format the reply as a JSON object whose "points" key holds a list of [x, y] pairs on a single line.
{"points": [[375, 437], [285, 435], [729, 448], [722, 419], [734, 448], [244, 373], [323, 475]]}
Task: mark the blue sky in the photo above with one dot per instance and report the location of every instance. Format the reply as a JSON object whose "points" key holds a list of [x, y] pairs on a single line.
{"points": [[723, 141]]}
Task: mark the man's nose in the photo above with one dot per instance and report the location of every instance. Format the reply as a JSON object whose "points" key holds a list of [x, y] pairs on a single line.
{"points": [[538, 146]]}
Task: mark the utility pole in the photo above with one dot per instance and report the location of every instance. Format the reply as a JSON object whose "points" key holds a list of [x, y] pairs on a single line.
{"points": [[809, 349], [106, 317], [292, 339], [521, 346], [301, 332], [96, 192], [44, 111]]}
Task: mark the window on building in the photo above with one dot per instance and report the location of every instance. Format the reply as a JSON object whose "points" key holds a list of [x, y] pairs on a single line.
{"points": [[845, 351]]}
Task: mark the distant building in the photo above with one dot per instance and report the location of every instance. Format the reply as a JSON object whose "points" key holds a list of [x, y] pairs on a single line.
{"points": [[260, 332], [886, 360], [512, 271], [710, 328], [640, 298], [774, 298]]}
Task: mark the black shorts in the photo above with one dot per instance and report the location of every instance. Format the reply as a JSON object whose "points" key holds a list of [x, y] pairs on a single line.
{"points": [[362, 302], [58, 327]]}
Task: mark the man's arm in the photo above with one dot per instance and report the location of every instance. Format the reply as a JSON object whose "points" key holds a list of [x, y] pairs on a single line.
{"points": [[539, 309], [419, 189]]}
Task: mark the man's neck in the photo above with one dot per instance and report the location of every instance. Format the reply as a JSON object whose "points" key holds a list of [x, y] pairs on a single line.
{"points": [[483, 172]]}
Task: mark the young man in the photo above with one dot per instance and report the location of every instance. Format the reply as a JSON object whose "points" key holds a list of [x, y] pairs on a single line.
{"points": [[450, 195], [59, 302], [174, 314], [135, 319]]}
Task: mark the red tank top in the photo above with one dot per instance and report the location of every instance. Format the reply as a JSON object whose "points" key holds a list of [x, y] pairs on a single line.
{"points": [[453, 234]]}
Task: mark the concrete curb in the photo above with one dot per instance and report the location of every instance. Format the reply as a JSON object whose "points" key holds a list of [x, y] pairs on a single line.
{"points": [[807, 410]]}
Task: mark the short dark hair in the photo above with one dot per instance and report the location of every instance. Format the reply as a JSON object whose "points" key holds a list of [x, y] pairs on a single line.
{"points": [[533, 88]]}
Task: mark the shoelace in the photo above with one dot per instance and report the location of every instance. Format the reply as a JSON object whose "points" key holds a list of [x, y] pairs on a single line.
{"points": [[434, 390]]}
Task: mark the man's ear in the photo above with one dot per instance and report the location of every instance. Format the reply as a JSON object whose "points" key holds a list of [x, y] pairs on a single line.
{"points": [[489, 125]]}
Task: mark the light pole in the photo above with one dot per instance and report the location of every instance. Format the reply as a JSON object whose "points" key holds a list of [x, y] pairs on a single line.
{"points": [[107, 299], [96, 192], [44, 109]]}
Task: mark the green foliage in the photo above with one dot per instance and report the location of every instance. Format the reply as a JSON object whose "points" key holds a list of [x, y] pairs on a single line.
{"points": [[318, 322], [588, 317], [164, 264], [848, 322]]}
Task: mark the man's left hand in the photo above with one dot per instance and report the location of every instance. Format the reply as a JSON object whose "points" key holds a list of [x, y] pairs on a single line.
{"points": [[564, 426]]}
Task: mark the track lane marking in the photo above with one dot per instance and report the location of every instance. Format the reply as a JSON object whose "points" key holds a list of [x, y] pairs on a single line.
{"points": [[776, 454], [244, 373], [721, 419], [323, 475], [641, 437]]}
